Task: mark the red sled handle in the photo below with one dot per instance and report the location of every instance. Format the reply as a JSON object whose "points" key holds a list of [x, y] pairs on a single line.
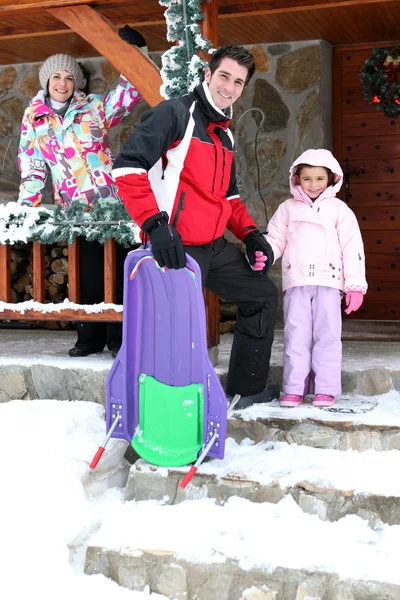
{"points": [[97, 457], [189, 475]]}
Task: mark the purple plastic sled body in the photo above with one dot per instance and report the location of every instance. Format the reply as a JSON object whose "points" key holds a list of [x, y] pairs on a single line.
{"points": [[164, 335]]}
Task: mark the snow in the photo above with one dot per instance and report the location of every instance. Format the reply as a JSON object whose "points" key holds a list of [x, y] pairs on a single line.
{"points": [[51, 510], [61, 306], [357, 356], [45, 447], [372, 410], [53, 506], [25, 220], [269, 462], [33, 347]]}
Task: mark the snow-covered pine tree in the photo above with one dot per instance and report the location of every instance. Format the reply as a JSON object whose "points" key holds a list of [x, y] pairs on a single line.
{"points": [[182, 69]]}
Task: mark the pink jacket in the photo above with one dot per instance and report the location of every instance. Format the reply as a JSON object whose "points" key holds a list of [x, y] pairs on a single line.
{"points": [[320, 242]]}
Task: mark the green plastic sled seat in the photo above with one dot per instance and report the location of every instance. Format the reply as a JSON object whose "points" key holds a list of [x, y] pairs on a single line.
{"points": [[171, 420]]}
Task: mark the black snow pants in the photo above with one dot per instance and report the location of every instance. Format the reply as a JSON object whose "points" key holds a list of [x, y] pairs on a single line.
{"points": [[94, 336], [226, 272]]}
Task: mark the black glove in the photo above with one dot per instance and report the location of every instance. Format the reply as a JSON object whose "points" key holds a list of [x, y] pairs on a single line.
{"points": [[256, 241], [165, 242], [131, 36]]}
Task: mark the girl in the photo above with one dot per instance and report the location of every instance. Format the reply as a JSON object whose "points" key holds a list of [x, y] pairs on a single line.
{"points": [[322, 252], [66, 132]]}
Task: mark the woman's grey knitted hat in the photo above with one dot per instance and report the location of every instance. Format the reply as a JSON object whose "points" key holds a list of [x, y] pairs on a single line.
{"points": [[61, 62]]}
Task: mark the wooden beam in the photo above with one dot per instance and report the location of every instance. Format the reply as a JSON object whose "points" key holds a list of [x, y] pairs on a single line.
{"points": [[102, 35], [209, 25], [110, 271], [74, 288], [64, 314], [229, 7], [212, 315], [267, 7], [20, 6], [5, 273], [38, 272], [21, 32]]}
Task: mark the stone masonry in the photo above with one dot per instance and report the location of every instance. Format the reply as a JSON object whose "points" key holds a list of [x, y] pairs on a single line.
{"points": [[285, 110]]}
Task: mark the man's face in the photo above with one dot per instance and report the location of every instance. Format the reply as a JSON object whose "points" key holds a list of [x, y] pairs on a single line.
{"points": [[227, 82]]}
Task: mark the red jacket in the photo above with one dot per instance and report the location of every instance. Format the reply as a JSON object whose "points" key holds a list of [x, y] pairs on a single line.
{"points": [[180, 160]]}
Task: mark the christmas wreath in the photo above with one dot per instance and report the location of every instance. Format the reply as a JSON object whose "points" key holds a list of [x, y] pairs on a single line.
{"points": [[378, 78]]}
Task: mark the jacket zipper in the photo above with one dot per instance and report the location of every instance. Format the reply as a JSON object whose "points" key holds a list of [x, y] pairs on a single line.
{"points": [[180, 207], [164, 165]]}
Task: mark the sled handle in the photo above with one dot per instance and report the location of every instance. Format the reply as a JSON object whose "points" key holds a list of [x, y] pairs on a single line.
{"points": [[189, 476], [96, 458]]}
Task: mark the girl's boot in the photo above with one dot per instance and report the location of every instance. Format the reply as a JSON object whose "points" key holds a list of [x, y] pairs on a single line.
{"points": [[323, 400], [291, 400]]}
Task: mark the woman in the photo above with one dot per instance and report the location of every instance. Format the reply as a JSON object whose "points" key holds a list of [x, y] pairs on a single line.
{"points": [[65, 131]]}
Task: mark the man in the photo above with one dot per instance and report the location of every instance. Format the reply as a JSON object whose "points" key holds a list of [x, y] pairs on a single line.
{"points": [[176, 177]]}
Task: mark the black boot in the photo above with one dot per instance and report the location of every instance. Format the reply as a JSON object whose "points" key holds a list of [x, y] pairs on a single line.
{"points": [[78, 353], [270, 393]]}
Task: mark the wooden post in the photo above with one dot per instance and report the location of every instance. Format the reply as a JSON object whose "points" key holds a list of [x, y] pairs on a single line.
{"points": [[209, 25], [5, 273], [38, 272], [212, 314], [209, 29], [73, 272], [110, 274], [103, 36]]}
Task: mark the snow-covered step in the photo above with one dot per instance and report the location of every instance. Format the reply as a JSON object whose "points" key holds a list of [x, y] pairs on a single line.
{"points": [[355, 422], [243, 551], [328, 483]]}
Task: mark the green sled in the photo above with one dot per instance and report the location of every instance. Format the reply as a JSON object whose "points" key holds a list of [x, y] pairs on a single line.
{"points": [[171, 421]]}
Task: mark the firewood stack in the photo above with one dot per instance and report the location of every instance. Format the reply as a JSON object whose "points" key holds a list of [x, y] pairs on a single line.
{"points": [[228, 313], [56, 277]]}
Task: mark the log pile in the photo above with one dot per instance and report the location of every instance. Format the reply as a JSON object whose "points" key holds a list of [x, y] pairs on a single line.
{"points": [[56, 277], [228, 312]]}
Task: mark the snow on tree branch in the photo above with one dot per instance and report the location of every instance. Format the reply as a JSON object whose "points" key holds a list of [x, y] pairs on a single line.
{"points": [[182, 69]]}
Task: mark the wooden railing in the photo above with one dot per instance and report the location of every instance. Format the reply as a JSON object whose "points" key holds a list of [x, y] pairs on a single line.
{"points": [[13, 312]]}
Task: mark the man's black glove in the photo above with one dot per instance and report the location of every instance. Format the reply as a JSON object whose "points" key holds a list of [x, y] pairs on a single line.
{"points": [[256, 241], [131, 36], [165, 242]]}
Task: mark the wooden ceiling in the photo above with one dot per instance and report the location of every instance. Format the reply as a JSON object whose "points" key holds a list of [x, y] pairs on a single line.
{"points": [[29, 33]]}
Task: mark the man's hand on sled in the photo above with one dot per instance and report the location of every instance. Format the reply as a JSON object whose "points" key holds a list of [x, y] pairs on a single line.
{"points": [[259, 253], [166, 243]]}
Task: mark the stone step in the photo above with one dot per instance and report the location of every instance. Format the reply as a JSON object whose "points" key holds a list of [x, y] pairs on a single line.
{"points": [[35, 365], [166, 573], [327, 483], [354, 423], [199, 550]]}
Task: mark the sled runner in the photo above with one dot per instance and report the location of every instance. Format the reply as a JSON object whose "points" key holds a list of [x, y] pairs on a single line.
{"points": [[163, 395]]}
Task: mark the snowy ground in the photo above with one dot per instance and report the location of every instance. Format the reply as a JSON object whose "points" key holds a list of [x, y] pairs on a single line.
{"points": [[27, 347], [49, 510]]}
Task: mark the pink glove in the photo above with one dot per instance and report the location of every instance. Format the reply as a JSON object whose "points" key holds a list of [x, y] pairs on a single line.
{"points": [[353, 301], [261, 259]]}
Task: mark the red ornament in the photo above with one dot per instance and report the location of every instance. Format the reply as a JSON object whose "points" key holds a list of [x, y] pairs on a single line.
{"points": [[376, 99], [397, 101]]}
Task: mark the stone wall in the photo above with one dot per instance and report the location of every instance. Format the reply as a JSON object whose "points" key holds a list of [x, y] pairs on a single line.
{"points": [[19, 84], [292, 88]]}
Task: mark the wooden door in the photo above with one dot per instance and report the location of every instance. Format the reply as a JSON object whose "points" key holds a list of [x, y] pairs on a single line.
{"points": [[367, 145]]}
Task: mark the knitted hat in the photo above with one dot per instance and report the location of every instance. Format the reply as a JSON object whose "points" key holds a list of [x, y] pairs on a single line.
{"points": [[61, 62]]}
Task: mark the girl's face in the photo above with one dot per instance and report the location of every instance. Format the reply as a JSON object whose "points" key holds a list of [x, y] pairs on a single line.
{"points": [[61, 86], [313, 181]]}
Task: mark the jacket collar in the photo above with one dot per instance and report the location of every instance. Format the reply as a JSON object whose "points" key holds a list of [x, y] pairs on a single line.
{"points": [[40, 109], [212, 112]]}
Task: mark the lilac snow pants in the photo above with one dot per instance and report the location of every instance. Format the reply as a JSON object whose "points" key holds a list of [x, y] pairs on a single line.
{"points": [[312, 314]]}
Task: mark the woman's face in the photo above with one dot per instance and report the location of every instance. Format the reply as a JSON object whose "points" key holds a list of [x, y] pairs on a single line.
{"points": [[61, 86]]}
